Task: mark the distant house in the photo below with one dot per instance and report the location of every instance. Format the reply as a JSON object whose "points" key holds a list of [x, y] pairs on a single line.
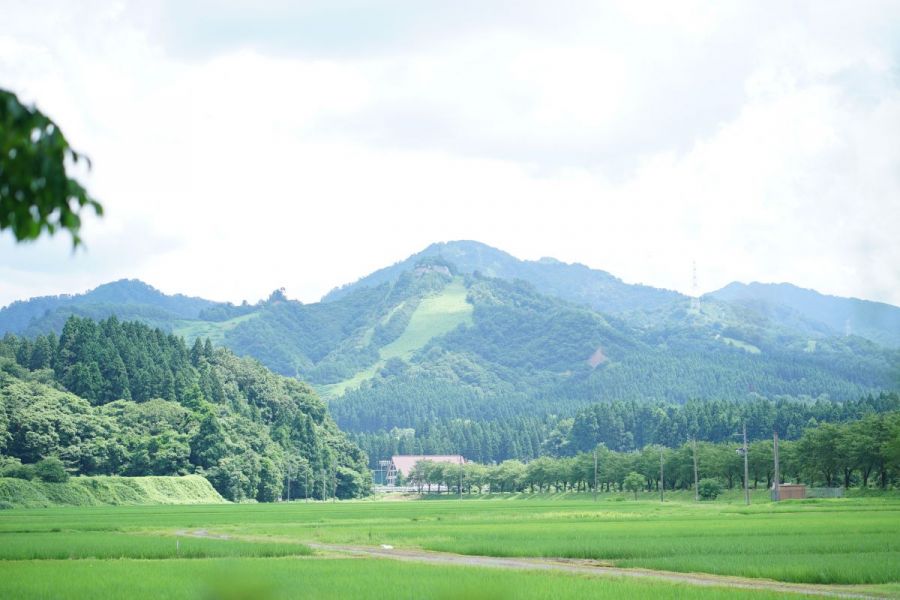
{"points": [[402, 464]]}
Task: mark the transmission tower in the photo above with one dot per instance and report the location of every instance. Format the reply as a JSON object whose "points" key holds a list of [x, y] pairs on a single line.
{"points": [[695, 289]]}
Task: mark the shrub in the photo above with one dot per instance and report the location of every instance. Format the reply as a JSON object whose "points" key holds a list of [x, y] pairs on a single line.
{"points": [[14, 468], [51, 470], [4, 505], [709, 489]]}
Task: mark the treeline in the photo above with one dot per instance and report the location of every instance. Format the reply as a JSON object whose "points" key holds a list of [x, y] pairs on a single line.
{"points": [[627, 425], [860, 453], [501, 434], [119, 398]]}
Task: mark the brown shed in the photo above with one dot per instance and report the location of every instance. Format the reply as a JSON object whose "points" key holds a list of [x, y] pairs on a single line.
{"points": [[791, 491]]}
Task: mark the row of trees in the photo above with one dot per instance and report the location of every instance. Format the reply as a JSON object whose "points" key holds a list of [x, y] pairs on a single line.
{"points": [[858, 453]]}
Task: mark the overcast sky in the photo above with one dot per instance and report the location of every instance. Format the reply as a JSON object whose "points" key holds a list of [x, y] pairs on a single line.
{"points": [[241, 147]]}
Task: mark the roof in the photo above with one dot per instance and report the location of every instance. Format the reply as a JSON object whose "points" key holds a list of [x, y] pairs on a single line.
{"points": [[405, 462]]}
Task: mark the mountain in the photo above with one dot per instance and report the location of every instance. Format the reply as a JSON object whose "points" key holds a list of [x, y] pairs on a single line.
{"points": [[430, 356], [573, 282], [549, 355], [127, 298], [817, 314]]}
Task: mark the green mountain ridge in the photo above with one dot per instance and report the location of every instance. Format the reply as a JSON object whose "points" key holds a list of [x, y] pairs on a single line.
{"points": [[572, 282], [127, 298], [449, 354]]}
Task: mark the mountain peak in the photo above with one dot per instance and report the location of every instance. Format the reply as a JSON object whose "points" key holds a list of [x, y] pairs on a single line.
{"points": [[572, 282]]}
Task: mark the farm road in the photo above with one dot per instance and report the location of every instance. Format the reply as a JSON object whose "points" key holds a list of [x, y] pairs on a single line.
{"points": [[586, 568]]}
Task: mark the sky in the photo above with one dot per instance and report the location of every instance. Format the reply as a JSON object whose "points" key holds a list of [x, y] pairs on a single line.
{"points": [[242, 147]]}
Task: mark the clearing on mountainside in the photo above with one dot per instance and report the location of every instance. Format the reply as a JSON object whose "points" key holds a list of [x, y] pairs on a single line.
{"points": [[435, 316]]}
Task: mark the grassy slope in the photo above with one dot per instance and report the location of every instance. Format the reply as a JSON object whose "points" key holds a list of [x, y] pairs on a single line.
{"points": [[435, 316], [214, 330], [98, 491]]}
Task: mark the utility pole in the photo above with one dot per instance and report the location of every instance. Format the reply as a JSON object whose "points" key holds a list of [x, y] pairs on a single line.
{"points": [[288, 477], [777, 484], [334, 479], [696, 477], [662, 476], [595, 474], [460, 474], [746, 468], [306, 487], [323, 484]]}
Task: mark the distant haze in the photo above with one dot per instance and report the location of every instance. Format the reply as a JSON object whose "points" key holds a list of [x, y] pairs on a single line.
{"points": [[242, 148]]}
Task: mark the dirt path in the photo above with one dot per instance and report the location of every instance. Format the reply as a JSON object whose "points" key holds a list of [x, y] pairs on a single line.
{"points": [[584, 568]]}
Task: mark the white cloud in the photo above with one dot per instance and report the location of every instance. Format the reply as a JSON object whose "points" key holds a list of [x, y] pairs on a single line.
{"points": [[758, 140]]}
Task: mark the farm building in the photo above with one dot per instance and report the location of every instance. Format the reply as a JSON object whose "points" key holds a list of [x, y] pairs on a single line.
{"points": [[790, 491], [402, 464]]}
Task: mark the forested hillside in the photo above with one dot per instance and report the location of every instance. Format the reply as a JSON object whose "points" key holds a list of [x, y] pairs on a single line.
{"points": [[492, 356], [121, 398], [496, 387]]}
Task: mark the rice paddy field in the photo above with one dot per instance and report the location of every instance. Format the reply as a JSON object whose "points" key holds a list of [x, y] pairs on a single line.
{"points": [[283, 550]]}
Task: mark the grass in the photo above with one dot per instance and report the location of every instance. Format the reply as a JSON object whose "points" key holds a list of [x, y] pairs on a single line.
{"points": [[348, 579], [853, 541], [114, 544], [434, 316], [97, 491]]}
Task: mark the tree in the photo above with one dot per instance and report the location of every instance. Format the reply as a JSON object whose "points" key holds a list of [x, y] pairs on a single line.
{"points": [[634, 482], [820, 453], [208, 446], [36, 193]]}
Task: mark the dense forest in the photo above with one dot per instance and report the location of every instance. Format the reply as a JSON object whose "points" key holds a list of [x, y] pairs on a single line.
{"points": [[860, 453], [121, 398], [618, 425]]}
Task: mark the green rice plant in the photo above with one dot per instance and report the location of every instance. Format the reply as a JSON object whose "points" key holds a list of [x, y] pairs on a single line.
{"points": [[324, 579], [91, 544], [849, 540]]}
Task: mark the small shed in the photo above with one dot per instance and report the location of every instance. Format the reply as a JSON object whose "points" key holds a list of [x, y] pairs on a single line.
{"points": [[790, 491]]}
